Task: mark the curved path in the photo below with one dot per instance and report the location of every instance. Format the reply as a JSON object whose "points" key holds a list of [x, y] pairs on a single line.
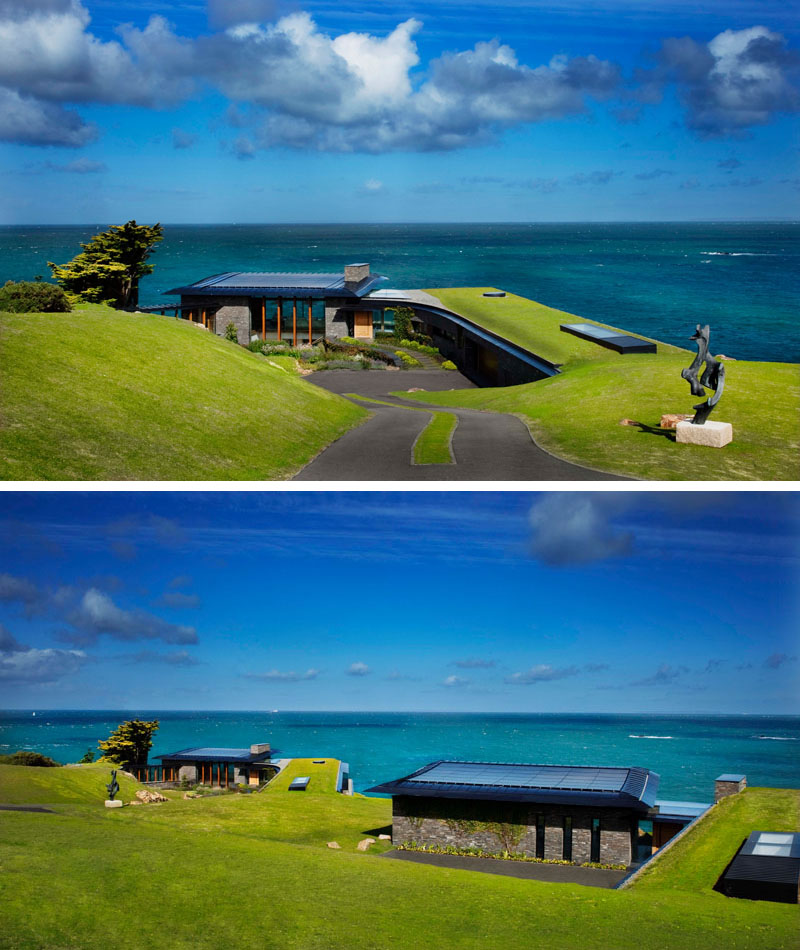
{"points": [[487, 446]]}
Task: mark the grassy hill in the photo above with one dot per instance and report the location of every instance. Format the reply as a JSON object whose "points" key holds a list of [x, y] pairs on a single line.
{"points": [[104, 395], [576, 415], [256, 870]]}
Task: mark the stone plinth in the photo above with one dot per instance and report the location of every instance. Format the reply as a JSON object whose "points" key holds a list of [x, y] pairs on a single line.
{"points": [[714, 434], [110, 804]]}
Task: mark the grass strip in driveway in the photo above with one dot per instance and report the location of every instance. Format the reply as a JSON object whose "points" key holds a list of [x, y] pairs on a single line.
{"points": [[434, 444]]}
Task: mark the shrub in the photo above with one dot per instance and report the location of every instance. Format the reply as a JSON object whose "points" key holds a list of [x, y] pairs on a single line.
{"points": [[406, 360], [419, 347], [402, 322], [231, 333], [24, 757], [33, 297], [449, 364], [88, 757]]}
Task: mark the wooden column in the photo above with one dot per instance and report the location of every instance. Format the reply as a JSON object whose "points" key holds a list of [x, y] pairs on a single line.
{"points": [[309, 322], [294, 321], [280, 317], [263, 318]]}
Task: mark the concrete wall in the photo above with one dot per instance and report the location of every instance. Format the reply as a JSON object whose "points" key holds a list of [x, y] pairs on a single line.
{"points": [[461, 823], [476, 358]]}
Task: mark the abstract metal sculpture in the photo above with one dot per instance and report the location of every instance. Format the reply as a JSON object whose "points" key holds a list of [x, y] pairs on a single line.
{"points": [[713, 376], [113, 785]]}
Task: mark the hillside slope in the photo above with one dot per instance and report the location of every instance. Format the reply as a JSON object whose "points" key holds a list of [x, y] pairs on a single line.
{"points": [[100, 394]]}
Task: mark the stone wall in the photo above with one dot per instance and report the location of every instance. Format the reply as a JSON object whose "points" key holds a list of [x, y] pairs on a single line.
{"points": [[724, 786], [336, 319], [501, 826], [235, 310]]}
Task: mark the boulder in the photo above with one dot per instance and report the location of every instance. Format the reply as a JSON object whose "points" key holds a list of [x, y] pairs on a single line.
{"points": [[148, 796], [384, 837], [335, 845], [364, 845], [671, 419]]}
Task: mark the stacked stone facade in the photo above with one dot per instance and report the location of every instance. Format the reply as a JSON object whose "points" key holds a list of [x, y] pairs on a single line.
{"points": [[727, 785], [235, 310], [508, 826]]}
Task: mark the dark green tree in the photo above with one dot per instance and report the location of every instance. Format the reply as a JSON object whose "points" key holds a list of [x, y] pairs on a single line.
{"points": [[111, 264], [88, 756], [129, 744]]}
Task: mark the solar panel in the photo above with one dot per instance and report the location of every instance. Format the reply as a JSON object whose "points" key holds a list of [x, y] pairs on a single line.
{"points": [[524, 776], [264, 279]]}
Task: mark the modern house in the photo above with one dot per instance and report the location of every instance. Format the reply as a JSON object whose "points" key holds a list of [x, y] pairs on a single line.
{"points": [[573, 813], [302, 308], [765, 868], [297, 308], [222, 767]]}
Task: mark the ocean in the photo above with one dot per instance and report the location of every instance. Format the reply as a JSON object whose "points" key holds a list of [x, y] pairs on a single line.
{"points": [[660, 280], [689, 752]]}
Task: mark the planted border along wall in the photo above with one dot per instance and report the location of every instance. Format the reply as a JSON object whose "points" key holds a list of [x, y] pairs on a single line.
{"points": [[506, 826]]}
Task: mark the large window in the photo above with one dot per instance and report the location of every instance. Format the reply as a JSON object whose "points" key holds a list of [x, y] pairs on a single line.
{"points": [[567, 835], [644, 840], [540, 836], [595, 855]]}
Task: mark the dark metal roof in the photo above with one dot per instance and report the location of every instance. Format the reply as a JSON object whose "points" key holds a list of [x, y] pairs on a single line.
{"points": [[679, 811], [631, 787], [278, 284], [217, 755]]}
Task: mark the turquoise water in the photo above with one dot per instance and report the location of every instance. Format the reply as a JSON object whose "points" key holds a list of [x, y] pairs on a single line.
{"points": [[655, 279], [688, 752]]}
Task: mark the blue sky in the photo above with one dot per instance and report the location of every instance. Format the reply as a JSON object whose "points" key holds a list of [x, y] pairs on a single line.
{"points": [[452, 601], [436, 110]]}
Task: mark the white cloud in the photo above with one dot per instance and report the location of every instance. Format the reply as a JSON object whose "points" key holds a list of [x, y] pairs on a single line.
{"points": [[740, 79], [453, 680], [278, 676], [358, 669], [541, 673], [576, 528], [39, 666], [97, 614]]}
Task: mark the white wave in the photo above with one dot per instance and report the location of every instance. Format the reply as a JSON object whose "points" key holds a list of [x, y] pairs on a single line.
{"points": [[778, 738], [736, 253], [650, 737]]}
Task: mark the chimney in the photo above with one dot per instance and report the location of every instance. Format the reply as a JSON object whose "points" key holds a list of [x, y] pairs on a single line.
{"points": [[729, 784], [259, 748], [355, 273]]}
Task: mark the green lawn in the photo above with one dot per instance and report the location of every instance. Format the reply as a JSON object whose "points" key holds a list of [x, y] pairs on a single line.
{"points": [[101, 394], [434, 444], [255, 871], [534, 326], [576, 415]]}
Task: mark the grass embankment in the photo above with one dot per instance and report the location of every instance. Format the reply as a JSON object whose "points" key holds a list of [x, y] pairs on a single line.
{"points": [[101, 394], [196, 874], [433, 446], [532, 325], [576, 415]]}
